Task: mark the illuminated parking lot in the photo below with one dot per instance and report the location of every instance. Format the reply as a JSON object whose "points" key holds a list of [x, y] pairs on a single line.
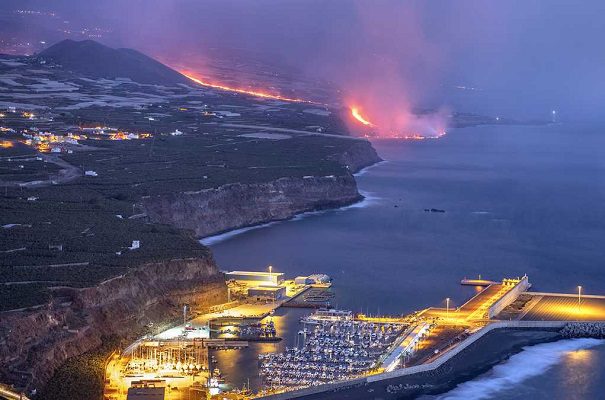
{"points": [[566, 308]]}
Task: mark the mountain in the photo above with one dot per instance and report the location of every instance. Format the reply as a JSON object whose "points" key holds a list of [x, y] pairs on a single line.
{"points": [[95, 60]]}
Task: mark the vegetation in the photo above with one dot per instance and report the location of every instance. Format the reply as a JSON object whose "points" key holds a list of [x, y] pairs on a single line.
{"points": [[80, 377], [78, 233]]}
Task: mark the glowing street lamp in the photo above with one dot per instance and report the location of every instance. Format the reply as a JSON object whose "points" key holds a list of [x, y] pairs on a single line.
{"points": [[447, 307], [579, 297]]}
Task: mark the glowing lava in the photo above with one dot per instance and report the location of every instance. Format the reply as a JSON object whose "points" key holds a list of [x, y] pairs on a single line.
{"points": [[418, 122], [256, 93], [355, 113]]}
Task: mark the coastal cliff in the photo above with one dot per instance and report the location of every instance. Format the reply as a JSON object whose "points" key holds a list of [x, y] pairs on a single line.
{"points": [[211, 211], [358, 156], [37, 342], [34, 344]]}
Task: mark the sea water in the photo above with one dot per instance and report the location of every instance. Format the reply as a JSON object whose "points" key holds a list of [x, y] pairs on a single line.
{"points": [[517, 200]]}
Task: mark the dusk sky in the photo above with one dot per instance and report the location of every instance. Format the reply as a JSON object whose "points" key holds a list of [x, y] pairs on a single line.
{"points": [[525, 58]]}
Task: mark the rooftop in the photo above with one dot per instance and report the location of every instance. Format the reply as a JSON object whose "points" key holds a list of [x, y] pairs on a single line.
{"points": [[253, 273]]}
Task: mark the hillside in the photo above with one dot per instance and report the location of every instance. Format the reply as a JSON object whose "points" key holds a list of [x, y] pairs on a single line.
{"points": [[95, 60]]}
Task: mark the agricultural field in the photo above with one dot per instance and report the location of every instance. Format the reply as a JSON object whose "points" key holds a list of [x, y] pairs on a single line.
{"points": [[60, 226]]}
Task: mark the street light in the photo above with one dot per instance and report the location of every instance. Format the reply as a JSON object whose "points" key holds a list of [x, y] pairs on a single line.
{"points": [[447, 307], [579, 297]]}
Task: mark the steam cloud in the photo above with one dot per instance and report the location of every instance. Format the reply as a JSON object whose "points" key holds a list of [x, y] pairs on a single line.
{"points": [[390, 57]]}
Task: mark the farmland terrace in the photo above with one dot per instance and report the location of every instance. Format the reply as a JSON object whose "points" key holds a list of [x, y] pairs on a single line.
{"points": [[61, 227]]}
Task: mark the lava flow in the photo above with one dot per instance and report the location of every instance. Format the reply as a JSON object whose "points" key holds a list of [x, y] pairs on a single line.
{"points": [[255, 93], [357, 115], [417, 123]]}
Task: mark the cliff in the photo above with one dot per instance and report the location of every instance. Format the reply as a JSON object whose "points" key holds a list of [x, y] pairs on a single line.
{"points": [[211, 211], [358, 156], [34, 344]]}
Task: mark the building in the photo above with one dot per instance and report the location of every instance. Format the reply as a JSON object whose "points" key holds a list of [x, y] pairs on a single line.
{"points": [[152, 389], [265, 278], [267, 292], [315, 279]]}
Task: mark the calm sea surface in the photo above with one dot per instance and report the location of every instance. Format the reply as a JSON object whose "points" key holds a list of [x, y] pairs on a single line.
{"points": [[517, 200]]}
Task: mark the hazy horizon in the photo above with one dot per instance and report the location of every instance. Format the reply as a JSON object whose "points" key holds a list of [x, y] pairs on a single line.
{"points": [[518, 59]]}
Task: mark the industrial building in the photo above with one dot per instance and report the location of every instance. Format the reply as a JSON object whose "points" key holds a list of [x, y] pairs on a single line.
{"points": [[267, 292], [272, 278], [152, 389]]}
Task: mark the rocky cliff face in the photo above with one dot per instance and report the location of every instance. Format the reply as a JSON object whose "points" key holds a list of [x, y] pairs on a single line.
{"points": [[34, 344], [358, 156], [211, 211]]}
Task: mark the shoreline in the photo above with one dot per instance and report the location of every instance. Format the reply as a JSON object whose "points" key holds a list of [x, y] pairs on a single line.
{"points": [[544, 354], [366, 199]]}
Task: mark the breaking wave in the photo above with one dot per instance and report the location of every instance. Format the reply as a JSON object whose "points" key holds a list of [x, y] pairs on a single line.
{"points": [[532, 361], [210, 240], [363, 171], [368, 200]]}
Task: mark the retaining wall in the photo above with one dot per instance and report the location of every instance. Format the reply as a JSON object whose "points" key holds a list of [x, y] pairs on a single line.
{"points": [[509, 297]]}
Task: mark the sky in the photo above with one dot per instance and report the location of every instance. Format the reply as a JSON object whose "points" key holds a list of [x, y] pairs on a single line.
{"points": [[517, 58]]}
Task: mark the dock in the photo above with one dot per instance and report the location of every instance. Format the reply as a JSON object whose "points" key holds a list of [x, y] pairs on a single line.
{"points": [[477, 282]]}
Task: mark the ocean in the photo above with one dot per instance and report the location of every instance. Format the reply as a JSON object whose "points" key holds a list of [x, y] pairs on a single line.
{"points": [[517, 200]]}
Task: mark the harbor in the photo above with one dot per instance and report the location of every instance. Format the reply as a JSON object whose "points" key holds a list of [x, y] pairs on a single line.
{"points": [[326, 350]]}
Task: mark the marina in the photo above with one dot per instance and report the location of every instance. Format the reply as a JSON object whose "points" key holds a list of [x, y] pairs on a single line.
{"points": [[332, 346], [330, 349]]}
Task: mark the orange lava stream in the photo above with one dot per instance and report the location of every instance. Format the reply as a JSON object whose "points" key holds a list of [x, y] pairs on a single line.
{"points": [[255, 93], [355, 113], [410, 136]]}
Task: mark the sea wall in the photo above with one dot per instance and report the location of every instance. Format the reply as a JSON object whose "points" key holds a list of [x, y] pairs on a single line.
{"points": [[33, 344], [522, 286], [212, 211]]}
